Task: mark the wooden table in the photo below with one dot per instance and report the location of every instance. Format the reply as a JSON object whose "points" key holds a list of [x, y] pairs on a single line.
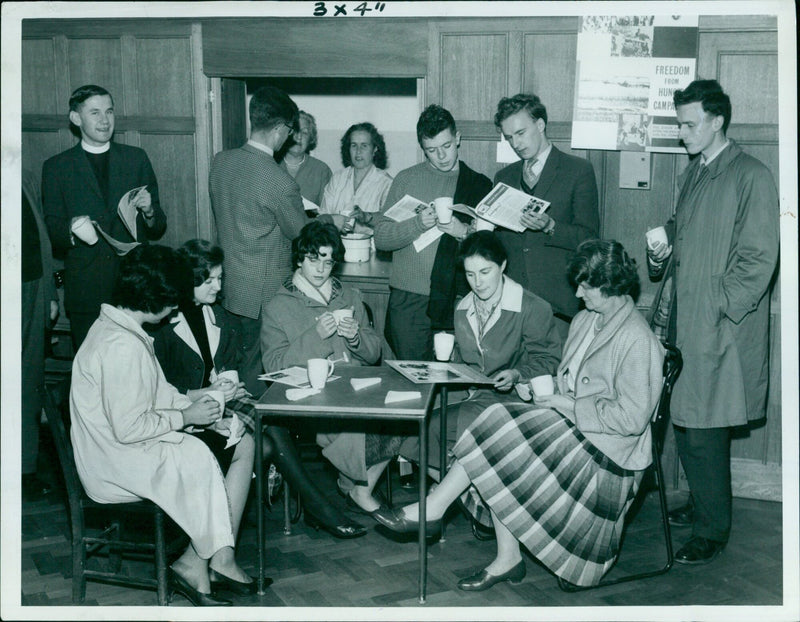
{"points": [[338, 400]]}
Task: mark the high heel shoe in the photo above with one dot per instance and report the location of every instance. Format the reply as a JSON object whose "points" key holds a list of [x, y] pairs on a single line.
{"points": [[220, 582], [483, 580], [395, 520], [199, 599], [344, 531]]}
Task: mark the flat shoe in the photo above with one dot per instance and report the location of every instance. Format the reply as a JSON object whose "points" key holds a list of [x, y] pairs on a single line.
{"points": [[483, 580], [220, 582], [395, 520], [699, 550], [199, 599]]}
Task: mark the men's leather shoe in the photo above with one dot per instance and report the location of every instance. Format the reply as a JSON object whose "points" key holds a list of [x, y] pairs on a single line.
{"points": [[483, 580], [395, 520], [699, 550], [682, 516]]}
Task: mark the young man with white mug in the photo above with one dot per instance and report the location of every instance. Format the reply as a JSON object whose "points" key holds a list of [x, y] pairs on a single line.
{"points": [[424, 284], [88, 180]]}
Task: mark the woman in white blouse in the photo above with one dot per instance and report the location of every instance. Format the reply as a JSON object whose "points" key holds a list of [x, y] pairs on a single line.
{"points": [[356, 193]]}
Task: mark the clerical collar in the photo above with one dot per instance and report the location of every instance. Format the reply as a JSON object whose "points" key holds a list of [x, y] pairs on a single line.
{"points": [[92, 149], [261, 147], [708, 161]]}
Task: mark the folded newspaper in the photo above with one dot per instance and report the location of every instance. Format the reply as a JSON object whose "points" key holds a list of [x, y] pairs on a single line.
{"points": [[504, 206], [424, 372]]}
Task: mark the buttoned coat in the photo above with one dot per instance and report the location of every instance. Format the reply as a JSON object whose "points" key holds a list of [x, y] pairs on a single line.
{"points": [[725, 250], [70, 189], [617, 385], [126, 431], [258, 211], [179, 355], [539, 261]]}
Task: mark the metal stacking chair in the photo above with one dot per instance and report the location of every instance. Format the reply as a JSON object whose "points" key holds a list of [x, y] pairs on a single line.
{"points": [[673, 363]]}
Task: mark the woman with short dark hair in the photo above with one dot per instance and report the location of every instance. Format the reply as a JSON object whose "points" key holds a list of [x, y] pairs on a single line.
{"points": [[300, 323], [202, 341], [559, 475], [356, 193], [128, 426]]}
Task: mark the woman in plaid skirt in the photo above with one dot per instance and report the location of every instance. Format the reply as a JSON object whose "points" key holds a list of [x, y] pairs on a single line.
{"points": [[558, 475]]}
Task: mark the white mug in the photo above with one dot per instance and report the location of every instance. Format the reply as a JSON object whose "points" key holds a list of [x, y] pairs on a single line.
{"points": [[659, 234], [444, 209], [483, 225], [229, 374], [319, 370], [83, 227], [340, 314], [542, 385], [443, 345], [219, 396]]}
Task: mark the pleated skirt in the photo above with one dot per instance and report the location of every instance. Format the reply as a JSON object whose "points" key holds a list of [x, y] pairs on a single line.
{"points": [[560, 496]]}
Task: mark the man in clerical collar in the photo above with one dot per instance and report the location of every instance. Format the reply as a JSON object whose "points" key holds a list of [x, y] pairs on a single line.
{"points": [[88, 181]]}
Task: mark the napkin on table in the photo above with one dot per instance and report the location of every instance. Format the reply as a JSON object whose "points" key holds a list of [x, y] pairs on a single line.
{"points": [[401, 396], [298, 394], [363, 383]]}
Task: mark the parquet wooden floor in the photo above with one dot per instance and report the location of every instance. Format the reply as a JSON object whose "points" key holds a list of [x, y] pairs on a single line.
{"points": [[312, 569]]}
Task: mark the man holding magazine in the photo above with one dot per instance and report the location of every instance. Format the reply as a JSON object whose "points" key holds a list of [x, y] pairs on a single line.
{"points": [[425, 280], [538, 256]]}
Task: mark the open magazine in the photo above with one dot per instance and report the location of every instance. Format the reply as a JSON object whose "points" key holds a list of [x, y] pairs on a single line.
{"points": [[425, 372], [408, 207], [504, 206]]}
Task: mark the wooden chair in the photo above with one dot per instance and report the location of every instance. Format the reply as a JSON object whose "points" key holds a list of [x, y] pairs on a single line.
{"points": [[110, 541], [673, 363]]}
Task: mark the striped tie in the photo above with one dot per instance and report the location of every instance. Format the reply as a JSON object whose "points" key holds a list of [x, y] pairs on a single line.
{"points": [[528, 176]]}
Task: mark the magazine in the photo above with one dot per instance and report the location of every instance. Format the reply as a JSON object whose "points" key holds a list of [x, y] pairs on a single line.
{"points": [[408, 207], [504, 206], [430, 372]]}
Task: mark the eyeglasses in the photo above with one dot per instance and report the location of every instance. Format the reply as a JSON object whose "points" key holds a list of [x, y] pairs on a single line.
{"points": [[290, 128], [328, 263]]}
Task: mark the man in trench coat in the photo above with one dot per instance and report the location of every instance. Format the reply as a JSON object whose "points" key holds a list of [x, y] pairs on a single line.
{"points": [[716, 268]]}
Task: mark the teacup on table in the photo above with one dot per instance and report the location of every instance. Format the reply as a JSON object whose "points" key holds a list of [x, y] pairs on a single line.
{"points": [[443, 345], [319, 370]]}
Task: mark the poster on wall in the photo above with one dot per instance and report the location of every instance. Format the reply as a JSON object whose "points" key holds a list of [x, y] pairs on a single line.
{"points": [[627, 69]]}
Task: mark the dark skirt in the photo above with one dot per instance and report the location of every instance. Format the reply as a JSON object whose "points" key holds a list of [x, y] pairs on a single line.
{"points": [[216, 443], [560, 496]]}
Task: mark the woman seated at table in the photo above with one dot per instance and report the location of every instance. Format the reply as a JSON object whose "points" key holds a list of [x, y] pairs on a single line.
{"points": [[501, 330], [299, 324], [202, 341], [356, 193], [311, 174], [129, 430], [559, 475]]}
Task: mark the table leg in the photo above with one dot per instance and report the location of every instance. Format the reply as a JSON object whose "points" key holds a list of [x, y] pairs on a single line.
{"points": [[423, 474], [442, 439], [259, 464], [287, 500]]}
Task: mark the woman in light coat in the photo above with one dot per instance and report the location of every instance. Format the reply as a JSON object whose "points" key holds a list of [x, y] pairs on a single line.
{"points": [[128, 422], [560, 475]]}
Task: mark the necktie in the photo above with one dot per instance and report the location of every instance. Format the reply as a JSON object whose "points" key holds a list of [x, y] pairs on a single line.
{"points": [[528, 176]]}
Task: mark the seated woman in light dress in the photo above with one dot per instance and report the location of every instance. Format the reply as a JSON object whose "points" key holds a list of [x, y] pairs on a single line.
{"points": [[299, 324], [560, 474], [356, 193], [128, 427]]}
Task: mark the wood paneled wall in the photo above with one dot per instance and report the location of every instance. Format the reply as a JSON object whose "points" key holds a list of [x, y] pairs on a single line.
{"points": [[152, 69]]}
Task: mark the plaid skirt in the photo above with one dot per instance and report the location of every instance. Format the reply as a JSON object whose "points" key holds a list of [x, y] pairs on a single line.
{"points": [[560, 496]]}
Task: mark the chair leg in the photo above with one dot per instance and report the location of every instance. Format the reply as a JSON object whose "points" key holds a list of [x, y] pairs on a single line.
{"points": [[114, 556], [78, 565], [287, 519], [389, 481], [161, 558]]}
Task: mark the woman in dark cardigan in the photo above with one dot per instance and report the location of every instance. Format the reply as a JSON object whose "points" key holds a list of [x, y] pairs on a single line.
{"points": [[201, 342]]}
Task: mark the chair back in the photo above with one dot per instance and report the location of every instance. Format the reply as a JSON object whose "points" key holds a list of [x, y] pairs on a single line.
{"points": [[57, 411], [673, 364]]}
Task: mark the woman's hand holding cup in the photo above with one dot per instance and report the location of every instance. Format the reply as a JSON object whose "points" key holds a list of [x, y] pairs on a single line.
{"points": [[348, 328], [202, 412]]}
